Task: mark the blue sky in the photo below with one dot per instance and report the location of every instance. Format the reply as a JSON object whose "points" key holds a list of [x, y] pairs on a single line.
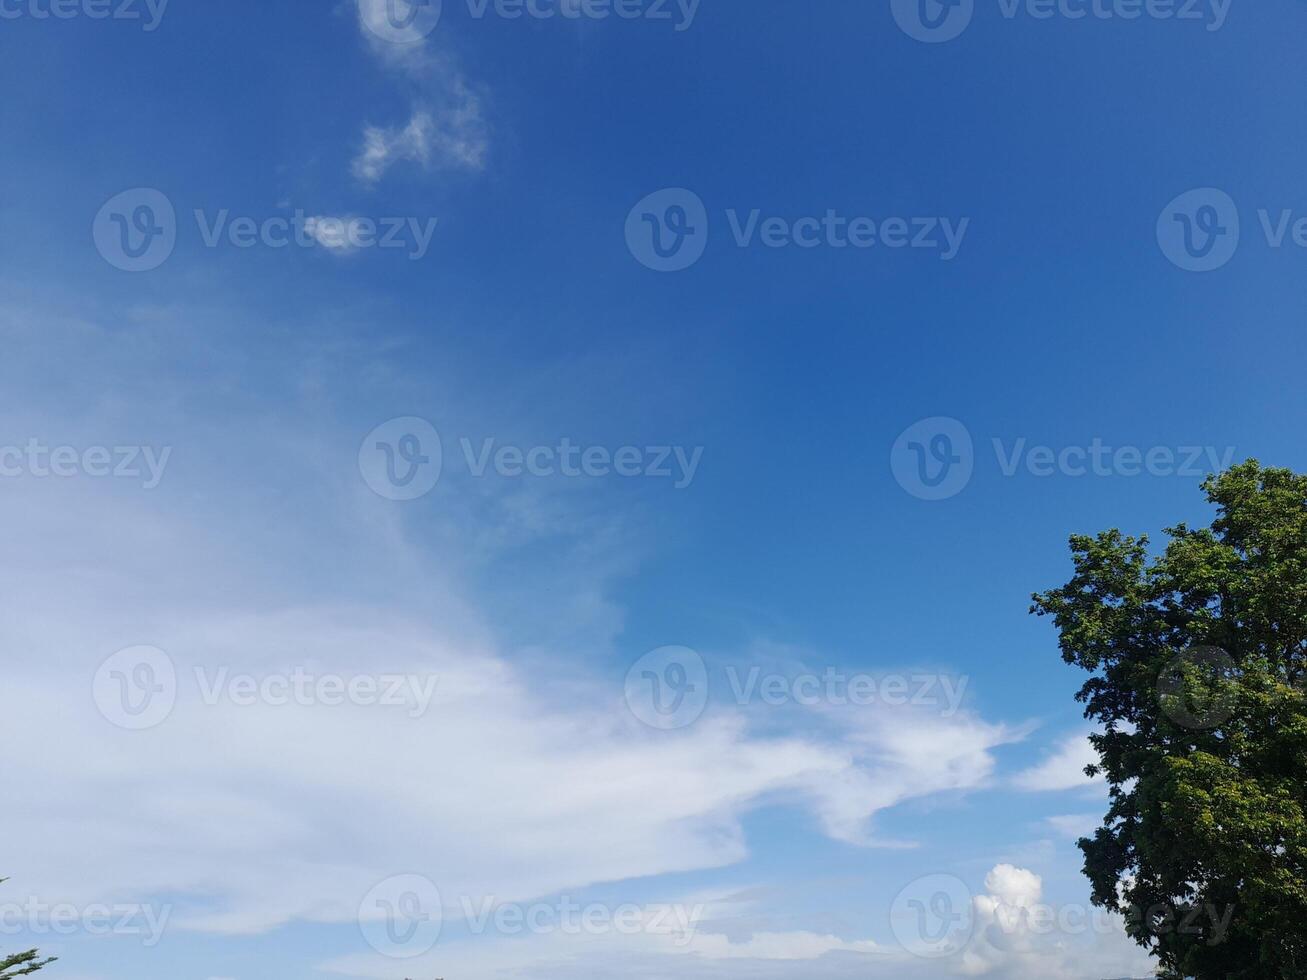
{"points": [[797, 380]]}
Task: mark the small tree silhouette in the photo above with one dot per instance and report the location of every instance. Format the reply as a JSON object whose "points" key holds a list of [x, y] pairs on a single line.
{"points": [[20, 964]]}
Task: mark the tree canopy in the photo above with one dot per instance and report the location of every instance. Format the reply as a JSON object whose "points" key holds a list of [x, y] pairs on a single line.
{"points": [[1198, 661]]}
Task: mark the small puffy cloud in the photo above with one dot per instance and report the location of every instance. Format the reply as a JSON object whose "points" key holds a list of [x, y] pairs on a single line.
{"points": [[338, 235], [1018, 935], [1014, 886]]}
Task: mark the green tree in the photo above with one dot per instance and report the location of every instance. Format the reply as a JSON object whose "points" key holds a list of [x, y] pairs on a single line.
{"points": [[1198, 657], [20, 964]]}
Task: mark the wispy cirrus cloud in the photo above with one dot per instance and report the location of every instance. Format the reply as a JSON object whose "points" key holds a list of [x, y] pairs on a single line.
{"points": [[445, 127], [1063, 769], [456, 140], [528, 775]]}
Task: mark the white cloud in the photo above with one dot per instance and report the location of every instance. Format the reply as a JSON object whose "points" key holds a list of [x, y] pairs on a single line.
{"points": [[457, 139], [1013, 886], [339, 235], [269, 814], [1019, 935], [402, 34], [446, 128], [262, 549], [1063, 769], [910, 754]]}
